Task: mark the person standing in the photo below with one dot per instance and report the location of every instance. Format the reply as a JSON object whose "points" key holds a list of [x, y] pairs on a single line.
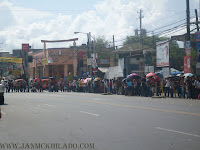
{"points": [[129, 83], [167, 86]]}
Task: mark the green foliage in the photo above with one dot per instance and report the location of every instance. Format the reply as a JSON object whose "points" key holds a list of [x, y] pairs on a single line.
{"points": [[145, 40], [176, 56], [101, 48], [193, 60], [100, 43]]}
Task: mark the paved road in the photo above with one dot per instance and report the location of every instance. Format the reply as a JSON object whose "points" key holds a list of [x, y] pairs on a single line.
{"points": [[100, 122]]}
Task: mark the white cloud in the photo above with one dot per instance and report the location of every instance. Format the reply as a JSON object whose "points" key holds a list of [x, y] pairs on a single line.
{"points": [[110, 17]]}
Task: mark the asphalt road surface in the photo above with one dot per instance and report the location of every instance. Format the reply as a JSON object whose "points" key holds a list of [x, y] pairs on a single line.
{"points": [[100, 122]]}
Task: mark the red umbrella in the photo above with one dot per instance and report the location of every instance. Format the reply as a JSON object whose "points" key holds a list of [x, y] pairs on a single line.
{"points": [[37, 80], [150, 74]]}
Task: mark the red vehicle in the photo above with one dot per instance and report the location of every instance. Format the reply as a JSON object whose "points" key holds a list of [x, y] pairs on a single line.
{"points": [[45, 83]]}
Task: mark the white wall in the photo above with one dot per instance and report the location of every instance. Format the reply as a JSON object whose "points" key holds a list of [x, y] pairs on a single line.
{"points": [[117, 71]]}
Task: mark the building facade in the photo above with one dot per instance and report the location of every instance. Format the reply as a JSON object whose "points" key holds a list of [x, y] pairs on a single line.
{"points": [[59, 62]]}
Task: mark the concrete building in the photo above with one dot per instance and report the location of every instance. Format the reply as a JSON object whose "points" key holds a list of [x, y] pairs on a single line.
{"points": [[58, 62]]}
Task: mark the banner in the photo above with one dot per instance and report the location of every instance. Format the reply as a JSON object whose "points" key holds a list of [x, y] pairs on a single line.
{"points": [[187, 48], [197, 37], [187, 64], [8, 59], [162, 54]]}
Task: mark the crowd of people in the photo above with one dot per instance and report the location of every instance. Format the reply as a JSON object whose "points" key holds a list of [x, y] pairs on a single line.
{"points": [[174, 87]]}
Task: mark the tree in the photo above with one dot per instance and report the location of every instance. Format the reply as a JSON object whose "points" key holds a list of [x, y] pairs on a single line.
{"points": [[100, 43], [102, 48], [193, 60], [176, 56]]}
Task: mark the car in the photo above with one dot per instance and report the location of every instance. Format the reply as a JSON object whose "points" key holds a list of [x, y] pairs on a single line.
{"points": [[1, 94]]}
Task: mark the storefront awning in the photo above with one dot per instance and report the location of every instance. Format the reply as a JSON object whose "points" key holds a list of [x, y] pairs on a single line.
{"points": [[103, 69]]}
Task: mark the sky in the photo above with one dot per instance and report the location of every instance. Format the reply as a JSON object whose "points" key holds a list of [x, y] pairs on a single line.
{"points": [[31, 21]]}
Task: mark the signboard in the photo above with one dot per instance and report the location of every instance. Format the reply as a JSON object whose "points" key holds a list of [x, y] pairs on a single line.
{"points": [[95, 69], [104, 61], [148, 69], [198, 51], [187, 64], [94, 63], [25, 47], [44, 61], [197, 36], [162, 54], [89, 61], [9, 59], [187, 48], [166, 72]]}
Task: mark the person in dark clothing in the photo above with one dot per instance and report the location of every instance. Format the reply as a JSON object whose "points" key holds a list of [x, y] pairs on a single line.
{"points": [[143, 92]]}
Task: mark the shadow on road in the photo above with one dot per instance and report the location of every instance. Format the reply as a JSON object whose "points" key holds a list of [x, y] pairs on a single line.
{"points": [[3, 104]]}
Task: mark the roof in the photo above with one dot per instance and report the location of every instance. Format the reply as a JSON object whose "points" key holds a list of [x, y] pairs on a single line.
{"points": [[133, 48]]}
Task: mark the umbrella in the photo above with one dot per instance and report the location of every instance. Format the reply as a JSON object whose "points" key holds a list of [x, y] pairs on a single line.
{"points": [[37, 80], [188, 75], [19, 80], [179, 75], [124, 79], [133, 74], [96, 79], [89, 79], [150, 74], [86, 80]]}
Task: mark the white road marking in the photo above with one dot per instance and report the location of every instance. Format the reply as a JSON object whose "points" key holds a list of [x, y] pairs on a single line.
{"points": [[89, 113], [178, 132], [50, 105]]}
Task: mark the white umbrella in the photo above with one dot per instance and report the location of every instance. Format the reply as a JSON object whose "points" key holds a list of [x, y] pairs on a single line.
{"points": [[188, 75]]}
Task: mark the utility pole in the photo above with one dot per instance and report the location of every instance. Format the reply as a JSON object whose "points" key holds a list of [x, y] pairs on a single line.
{"points": [[197, 20], [89, 51], [188, 19], [113, 42], [141, 23]]}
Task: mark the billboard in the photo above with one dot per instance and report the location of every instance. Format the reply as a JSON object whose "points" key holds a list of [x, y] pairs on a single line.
{"points": [[25, 47], [187, 64], [9, 59], [162, 54]]}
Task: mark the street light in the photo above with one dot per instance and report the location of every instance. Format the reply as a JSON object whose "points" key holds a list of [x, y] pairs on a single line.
{"points": [[89, 47]]}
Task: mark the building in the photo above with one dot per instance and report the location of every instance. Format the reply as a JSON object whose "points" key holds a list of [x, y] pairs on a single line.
{"points": [[59, 62], [136, 57]]}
